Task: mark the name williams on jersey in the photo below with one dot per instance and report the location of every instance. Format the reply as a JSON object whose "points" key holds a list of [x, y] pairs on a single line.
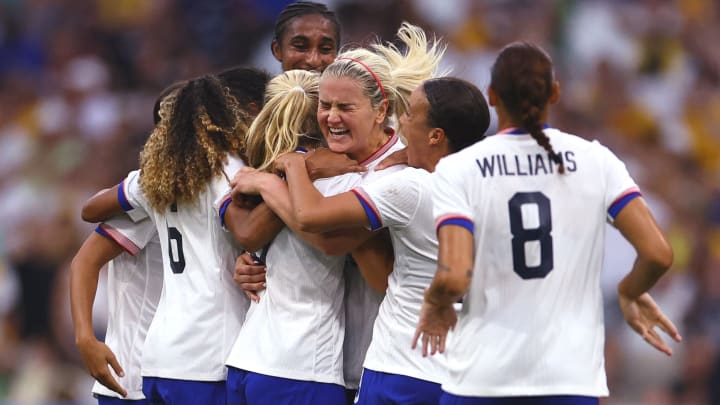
{"points": [[524, 165]]}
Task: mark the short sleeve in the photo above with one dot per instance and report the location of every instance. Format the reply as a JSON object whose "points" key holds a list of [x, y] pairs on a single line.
{"points": [[620, 186], [451, 205], [222, 197], [131, 236], [392, 200], [132, 198]]}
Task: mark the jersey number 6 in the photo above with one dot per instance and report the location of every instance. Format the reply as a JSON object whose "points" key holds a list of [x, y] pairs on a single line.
{"points": [[539, 234], [175, 247]]}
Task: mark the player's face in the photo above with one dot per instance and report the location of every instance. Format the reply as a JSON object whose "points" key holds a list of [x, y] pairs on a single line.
{"points": [[309, 43], [347, 120], [414, 127]]}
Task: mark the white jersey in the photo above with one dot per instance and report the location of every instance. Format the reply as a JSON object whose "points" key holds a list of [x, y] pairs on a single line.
{"points": [[532, 322], [361, 301], [134, 286], [297, 329], [403, 203], [201, 309]]}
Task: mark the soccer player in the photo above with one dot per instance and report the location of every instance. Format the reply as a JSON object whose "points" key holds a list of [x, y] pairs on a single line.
{"points": [[132, 254], [290, 348], [306, 36], [521, 219], [185, 168], [444, 115], [134, 262]]}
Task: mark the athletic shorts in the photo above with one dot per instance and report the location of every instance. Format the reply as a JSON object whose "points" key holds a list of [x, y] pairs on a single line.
{"points": [[183, 392], [449, 399], [377, 387], [246, 387]]}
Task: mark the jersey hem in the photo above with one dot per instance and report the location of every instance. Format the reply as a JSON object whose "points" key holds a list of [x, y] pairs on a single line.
{"points": [[131, 395], [405, 373], [289, 374], [175, 375]]}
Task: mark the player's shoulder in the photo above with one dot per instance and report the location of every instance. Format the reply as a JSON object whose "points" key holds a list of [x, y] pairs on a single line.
{"points": [[565, 140]]}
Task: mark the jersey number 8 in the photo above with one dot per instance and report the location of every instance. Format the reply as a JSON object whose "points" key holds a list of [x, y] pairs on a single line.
{"points": [[540, 234]]}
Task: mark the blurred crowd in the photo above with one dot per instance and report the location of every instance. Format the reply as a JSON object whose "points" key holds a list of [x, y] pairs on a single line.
{"points": [[78, 79]]}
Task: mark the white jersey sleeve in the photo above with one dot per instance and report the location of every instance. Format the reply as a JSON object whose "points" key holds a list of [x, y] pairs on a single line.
{"points": [[132, 206], [450, 201], [131, 236], [390, 201], [621, 188]]}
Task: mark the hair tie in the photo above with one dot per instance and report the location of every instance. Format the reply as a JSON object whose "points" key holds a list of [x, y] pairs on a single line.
{"points": [[297, 88], [382, 89]]}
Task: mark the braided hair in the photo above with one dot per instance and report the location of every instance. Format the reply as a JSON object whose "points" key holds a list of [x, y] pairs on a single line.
{"points": [[523, 78]]}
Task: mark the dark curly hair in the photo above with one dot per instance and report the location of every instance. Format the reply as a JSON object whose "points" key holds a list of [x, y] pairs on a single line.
{"points": [[200, 124]]}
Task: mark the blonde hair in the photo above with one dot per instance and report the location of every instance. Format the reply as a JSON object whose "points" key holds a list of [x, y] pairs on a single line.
{"points": [[200, 124], [289, 114], [387, 73]]}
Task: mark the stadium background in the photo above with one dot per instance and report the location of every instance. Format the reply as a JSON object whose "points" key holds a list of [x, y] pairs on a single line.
{"points": [[78, 79]]}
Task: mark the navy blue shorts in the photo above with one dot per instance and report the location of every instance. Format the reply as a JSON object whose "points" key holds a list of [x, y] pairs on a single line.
{"points": [[450, 399], [246, 387], [377, 387], [105, 400], [183, 392]]}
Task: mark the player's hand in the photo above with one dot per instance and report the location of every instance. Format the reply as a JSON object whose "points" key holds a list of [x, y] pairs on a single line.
{"points": [[96, 356], [249, 276], [399, 157], [643, 315], [322, 163], [433, 327], [281, 163], [246, 181]]}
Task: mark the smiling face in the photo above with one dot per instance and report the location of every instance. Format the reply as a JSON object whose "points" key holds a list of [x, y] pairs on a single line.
{"points": [[415, 129], [347, 120], [309, 43]]}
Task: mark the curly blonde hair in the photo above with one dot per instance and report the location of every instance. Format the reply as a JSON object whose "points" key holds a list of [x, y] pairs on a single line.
{"points": [[200, 124], [287, 120]]}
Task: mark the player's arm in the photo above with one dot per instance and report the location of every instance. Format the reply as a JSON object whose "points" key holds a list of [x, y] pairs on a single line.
{"points": [[375, 259], [654, 258], [85, 268], [311, 210], [276, 195], [102, 206], [451, 282], [253, 228]]}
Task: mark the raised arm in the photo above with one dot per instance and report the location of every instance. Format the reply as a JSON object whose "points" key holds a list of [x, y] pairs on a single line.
{"points": [[102, 206], [85, 268], [275, 193], [312, 211], [451, 282], [654, 257]]}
